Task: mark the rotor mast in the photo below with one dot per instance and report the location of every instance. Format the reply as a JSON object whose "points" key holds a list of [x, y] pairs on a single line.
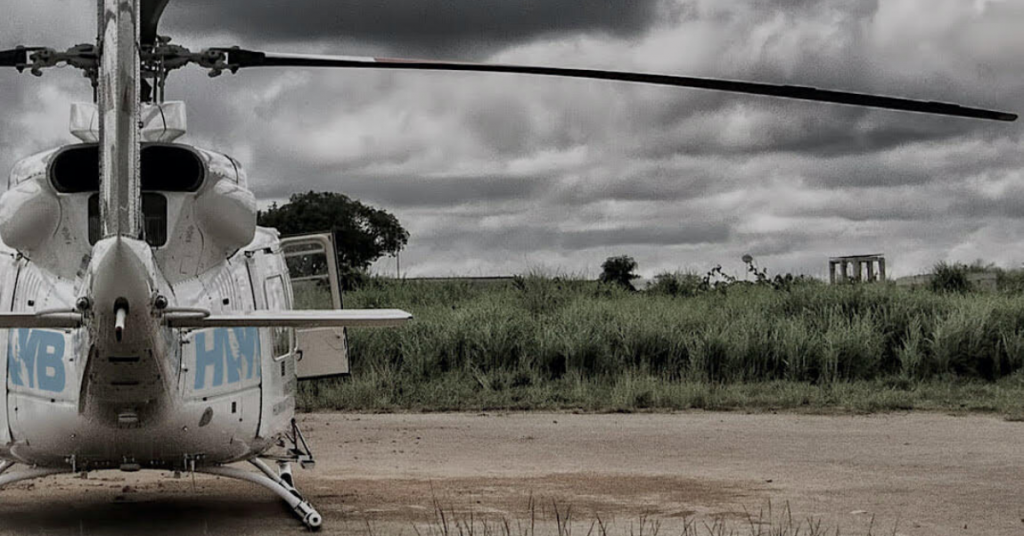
{"points": [[118, 98]]}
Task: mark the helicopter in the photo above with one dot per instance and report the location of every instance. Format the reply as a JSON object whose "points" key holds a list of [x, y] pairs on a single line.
{"points": [[147, 322]]}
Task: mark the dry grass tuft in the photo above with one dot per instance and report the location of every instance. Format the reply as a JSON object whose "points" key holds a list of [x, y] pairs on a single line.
{"points": [[562, 521]]}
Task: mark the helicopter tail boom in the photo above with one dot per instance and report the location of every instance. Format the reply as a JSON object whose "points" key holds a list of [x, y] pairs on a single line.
{"points": [[119, 103]]}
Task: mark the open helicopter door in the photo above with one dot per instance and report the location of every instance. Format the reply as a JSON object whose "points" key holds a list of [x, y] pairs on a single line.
{"points": [[312, 264], [8, 278]]}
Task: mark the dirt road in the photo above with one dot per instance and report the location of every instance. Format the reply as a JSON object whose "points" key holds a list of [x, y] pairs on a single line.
{"points": [[384, 474]]}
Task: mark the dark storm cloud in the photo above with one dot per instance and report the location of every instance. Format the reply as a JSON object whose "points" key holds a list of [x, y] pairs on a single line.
{"points": [[698, 122], [662, 147], [688, 233], [881, 205], [800, 128], [495, 173], [1006, 202], [552, 238], [33, 111], [413, 191], [465, 26]]}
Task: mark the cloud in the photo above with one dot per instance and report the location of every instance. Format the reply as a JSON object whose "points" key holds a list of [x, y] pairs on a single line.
{"points": [[495, 174], [466, 27]]}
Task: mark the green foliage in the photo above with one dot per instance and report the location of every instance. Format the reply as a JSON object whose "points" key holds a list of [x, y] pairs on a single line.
{"points": [[540, 342], [362, 233], [687, 285], [619, 271], [779, 282], [680, 284], [951, 278], [1009, 281], [558, 342]]}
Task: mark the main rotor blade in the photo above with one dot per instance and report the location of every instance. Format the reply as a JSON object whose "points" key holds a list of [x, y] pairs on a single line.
{"points": [[151, 10], [15, 57], [238, 58]]}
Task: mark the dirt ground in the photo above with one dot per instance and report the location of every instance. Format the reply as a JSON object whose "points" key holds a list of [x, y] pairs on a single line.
{"points": [[391, 474]]}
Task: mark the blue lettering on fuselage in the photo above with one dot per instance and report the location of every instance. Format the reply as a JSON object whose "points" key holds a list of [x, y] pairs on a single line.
{"points": [[225, 358], [40, 355]]}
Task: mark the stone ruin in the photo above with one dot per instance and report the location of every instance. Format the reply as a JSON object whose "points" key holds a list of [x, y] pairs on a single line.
{"points": [[858, 268]]}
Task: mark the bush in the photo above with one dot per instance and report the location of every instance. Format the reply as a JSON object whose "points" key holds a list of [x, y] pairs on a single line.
{"points": [[951, 278], [1011, 281], [686, 285]]}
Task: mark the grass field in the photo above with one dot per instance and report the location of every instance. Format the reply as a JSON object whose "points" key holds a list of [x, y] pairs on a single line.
{"points": [[551, 343]]}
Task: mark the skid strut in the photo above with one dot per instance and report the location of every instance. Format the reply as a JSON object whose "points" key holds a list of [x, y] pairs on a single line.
{"points": [[28, 474], [274, 482]]}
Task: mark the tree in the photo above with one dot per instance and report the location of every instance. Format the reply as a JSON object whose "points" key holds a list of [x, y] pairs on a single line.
{"points": [[619, 271], [362, 233]]}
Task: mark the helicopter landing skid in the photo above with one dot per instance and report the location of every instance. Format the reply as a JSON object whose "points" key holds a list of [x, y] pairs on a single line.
{"points": [[292, 447], [279, 483]]}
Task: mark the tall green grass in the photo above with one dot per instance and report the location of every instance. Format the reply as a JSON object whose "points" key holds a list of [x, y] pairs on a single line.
{"points": [[563, 342]]}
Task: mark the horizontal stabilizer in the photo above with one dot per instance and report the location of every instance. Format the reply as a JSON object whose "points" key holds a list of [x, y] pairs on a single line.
{"points": [[43, 320], [346, 318]]}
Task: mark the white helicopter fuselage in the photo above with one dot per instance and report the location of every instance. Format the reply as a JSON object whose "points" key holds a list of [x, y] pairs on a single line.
{"points": [[149, 395]]}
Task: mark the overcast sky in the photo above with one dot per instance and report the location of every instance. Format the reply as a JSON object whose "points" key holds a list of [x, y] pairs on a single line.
{"points": [[497, 174]]}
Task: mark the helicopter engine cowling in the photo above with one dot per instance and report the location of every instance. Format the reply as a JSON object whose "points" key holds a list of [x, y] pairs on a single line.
{"points": [[29, 215], [208, 226], [226, 214]]}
